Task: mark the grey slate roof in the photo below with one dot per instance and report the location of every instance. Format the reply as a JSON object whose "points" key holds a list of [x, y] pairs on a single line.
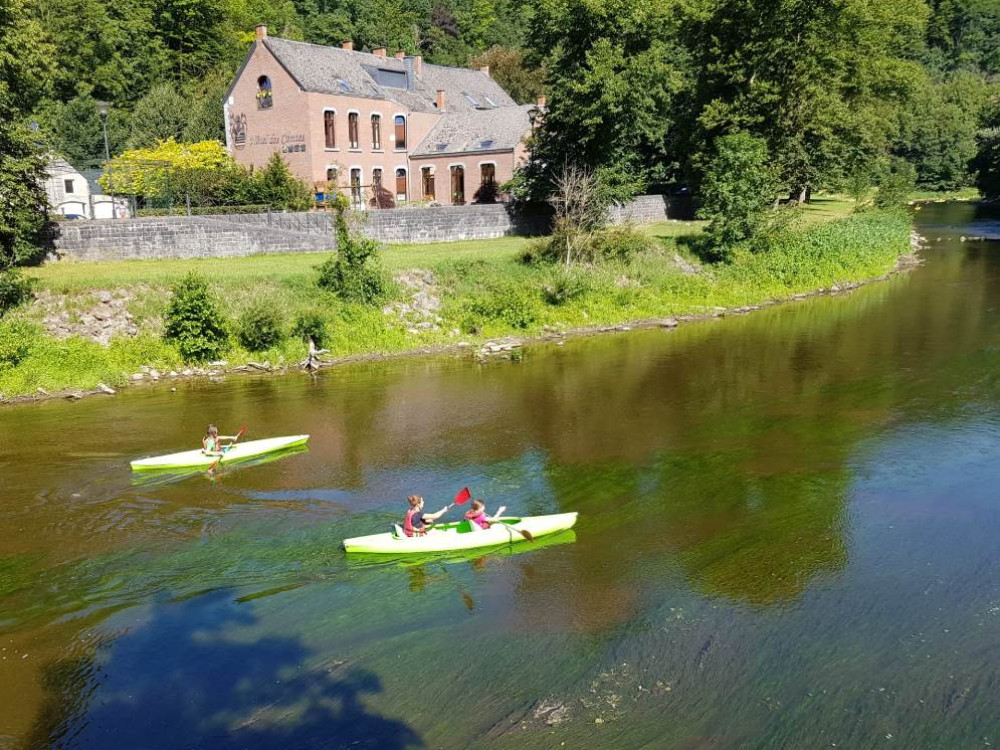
{"points": [[475, 130], [320, 69]]}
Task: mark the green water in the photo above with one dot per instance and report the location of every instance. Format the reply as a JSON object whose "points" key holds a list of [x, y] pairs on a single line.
{"points": [[788, 538]]}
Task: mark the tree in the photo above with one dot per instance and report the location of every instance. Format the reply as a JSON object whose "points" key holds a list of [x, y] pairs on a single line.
{"points": [[509, 68], [353, 273], [172, 169], [161, 114], [579, 208], [276, 186], [739, 190]]}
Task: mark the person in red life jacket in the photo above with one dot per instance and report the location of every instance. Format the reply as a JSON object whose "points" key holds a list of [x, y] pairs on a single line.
{"points": [[477, 515], [417, 522]]}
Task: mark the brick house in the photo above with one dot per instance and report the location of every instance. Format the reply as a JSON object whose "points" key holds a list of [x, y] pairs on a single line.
{"points": [[360, 120]]}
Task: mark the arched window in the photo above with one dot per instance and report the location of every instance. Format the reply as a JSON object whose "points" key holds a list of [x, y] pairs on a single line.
{"points": [[401, 184], [377, 132], [427, 173], [400, 123], [352, 129], [332, 176], [330, 128], [264, 98]]}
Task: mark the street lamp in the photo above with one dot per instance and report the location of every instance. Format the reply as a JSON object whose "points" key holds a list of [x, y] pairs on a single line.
{"points": [[103, 108]]}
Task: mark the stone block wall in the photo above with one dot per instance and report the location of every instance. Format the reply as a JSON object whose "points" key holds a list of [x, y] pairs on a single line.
{"points": [[249, 234]]}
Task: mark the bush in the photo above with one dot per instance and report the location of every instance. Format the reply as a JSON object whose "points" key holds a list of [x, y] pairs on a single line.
{"points": [[193, 321], [15, 289], [508, 304], [352, 274], [565, 287], [260, 327], [895, 183], [620, 243], [16, 340], [311, 325]]}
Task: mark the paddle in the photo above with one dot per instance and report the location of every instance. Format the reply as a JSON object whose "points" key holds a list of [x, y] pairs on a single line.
{"points": [[239, 434]]}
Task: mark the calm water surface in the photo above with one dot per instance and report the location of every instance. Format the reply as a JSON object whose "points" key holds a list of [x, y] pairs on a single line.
{"points": [[789, 537]]}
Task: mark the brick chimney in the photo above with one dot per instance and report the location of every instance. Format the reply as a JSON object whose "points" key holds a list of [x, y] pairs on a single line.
{"points": [[379, 52], [418, 64], [542, 101], [348, 45], [440, 100], [400, 55], [485, 69], [260, 32]]}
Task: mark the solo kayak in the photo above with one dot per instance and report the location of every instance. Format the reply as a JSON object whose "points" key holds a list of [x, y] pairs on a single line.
{"points": [[197, 459], [461, 535]]}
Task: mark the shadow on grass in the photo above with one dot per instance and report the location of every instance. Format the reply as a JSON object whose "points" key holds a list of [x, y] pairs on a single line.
{"points": [[192, 678]]}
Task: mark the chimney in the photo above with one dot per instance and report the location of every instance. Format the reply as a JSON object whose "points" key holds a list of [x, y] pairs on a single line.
{"points": [[418, 65], [379, 52], [542, 101], [400, 55], [348, 45], [260, 32], [485, 69], [440, 100], [411, 78]]}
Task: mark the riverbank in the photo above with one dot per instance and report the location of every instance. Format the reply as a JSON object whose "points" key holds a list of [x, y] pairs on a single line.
{"points": [[454, 298]]}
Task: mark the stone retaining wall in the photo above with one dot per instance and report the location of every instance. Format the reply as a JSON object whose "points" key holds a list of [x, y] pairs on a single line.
{"points": [[249, 234]]}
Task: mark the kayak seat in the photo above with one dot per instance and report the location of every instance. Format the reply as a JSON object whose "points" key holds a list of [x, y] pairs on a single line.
{"points": [[397, 531]]}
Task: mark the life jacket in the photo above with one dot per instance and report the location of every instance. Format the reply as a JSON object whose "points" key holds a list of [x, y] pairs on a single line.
{"points": [[408, 523], [478, 518]]}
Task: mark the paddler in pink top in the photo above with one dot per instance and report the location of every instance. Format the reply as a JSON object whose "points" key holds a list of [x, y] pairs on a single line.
{"points": [[477, 514]]}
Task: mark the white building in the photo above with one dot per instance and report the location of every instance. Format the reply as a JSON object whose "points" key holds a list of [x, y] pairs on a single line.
{"points": [[75, 193]]}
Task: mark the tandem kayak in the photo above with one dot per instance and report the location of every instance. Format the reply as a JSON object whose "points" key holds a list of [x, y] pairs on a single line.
{"points": [[197, 459], [458, 536]]}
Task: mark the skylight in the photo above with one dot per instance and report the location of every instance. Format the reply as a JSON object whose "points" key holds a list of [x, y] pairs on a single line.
{"points": [[486, 144], [441, 147], [490, 101], [344, 85], [470, 98]]}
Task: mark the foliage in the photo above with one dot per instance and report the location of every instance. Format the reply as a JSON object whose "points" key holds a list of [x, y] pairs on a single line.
{"points": [[614, 244], [311, 324], [352, 274], [169, 168], [276, 186], [501, 304], [895, 182], [15, 290], [193, 321], [739, 190], [580, 211], [16, 340], [161, 115], [565, 286], [511, 69], [260, 327], [987, 160]]}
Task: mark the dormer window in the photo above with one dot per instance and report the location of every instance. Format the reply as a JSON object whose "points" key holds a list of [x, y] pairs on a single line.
{"points": [[264, 98]]}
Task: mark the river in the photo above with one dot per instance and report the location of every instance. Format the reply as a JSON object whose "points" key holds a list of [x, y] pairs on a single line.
{"points": [[788, 538]]}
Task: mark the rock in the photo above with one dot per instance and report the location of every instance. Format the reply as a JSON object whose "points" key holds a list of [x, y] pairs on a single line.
{"points": [[668, 323], [173, 373], [106, 389], [44, 392], [138, 376], [188, 372], [104, 297], [154, 374], [218, 363]]}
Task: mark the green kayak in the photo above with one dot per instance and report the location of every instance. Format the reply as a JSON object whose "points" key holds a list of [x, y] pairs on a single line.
{"points": [[461, 535], [197, 459]]}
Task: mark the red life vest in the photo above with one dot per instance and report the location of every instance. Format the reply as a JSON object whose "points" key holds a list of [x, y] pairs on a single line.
{"points": [[408, 523], [478, 518]]}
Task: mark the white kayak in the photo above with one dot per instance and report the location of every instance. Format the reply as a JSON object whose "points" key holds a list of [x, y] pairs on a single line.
{"points": [[198, 459], [461, 535]]}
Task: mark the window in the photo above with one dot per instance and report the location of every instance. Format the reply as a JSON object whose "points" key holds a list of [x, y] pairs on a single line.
{"points": [[377, 179], [356, 187], [352, 129], [488, 189], [344, 85], [400, 123], [427, 179], [332, 176], [330, 128], [394, 79], [68, 186], [400, 184], [470, 98], [458, 185], [377, 132], [490, 102], [485, 145], [264, 98]]}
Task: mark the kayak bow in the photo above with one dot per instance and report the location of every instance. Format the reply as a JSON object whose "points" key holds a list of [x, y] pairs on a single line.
{"points": [[198, 459], [460, 535]]}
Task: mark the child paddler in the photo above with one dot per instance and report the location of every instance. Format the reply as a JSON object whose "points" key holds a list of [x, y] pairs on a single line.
{"points": [[417, 523], [211, 444]]}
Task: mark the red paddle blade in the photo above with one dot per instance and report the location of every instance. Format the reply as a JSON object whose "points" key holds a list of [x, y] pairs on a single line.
{"points": [[463, 496]]}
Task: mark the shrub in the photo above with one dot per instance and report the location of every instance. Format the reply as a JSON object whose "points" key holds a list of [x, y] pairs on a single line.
{"points": [[565, 287], [620, 243], [508, 304], [260, 327], [895, 183], [15, 289], [739, 189], [311, 325], [16, 340], [352, 274], [193, 321]]}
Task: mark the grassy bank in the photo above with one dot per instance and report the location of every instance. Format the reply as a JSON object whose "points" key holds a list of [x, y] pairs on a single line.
{"points": [[484, 292]]}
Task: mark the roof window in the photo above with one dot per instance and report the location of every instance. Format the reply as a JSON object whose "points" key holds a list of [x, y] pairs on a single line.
{"points": [[344, 85], [394, 79], [485, 144], [470, 98], [441, 146], [490, 102]]}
